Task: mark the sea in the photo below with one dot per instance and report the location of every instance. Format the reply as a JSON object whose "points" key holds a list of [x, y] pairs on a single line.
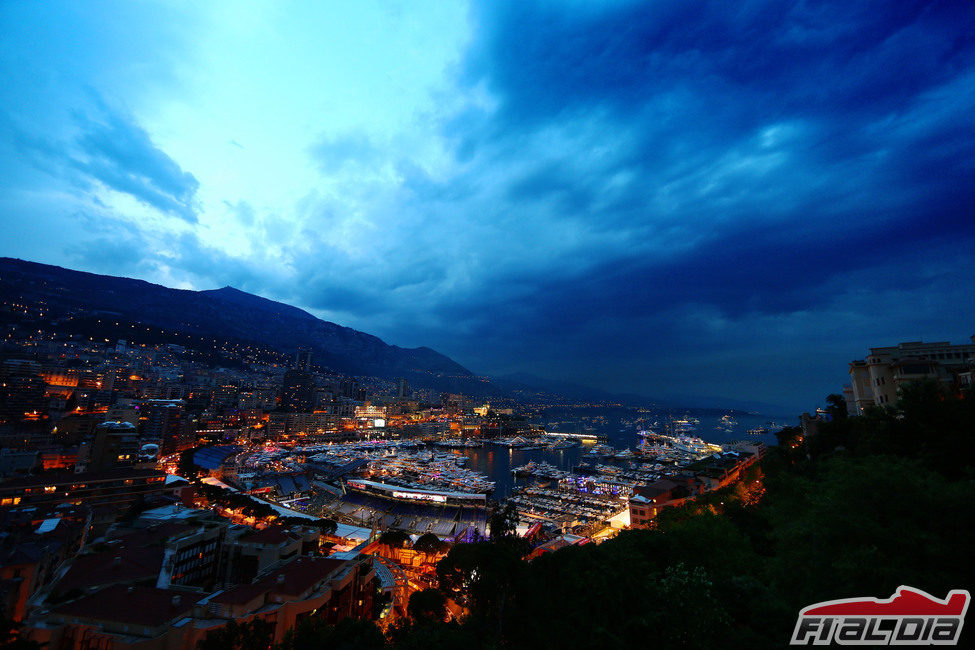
{"points": [[497, 461]]}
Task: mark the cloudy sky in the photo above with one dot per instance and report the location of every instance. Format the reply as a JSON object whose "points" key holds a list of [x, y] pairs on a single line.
{"points": [[711, 198]]}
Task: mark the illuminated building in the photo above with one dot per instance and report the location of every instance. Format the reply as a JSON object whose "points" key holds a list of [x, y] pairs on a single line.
{"points": [[130, 617], [164, 425], [298, 391], [114, 444], [116, 486], [875, 380]]}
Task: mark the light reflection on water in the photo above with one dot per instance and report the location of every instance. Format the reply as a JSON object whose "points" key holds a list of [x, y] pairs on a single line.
{"points": [[497, 462]]}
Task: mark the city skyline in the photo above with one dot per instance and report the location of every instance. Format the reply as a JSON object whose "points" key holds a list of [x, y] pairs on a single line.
{"points": [[647, 198]]}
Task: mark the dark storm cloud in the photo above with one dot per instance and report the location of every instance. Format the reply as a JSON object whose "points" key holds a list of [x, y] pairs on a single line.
{"points": [[109, 148], [721, 197], [113, 247], [800, 57], [724, 167], [120, 154]]}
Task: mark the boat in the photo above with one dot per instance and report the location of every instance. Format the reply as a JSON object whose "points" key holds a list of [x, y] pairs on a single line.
{"points": [[517, 442], [457, 444], [564, 444], [601, 450], [695, 446]]}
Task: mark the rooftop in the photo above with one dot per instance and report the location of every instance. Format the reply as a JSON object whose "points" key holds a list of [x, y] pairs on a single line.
{"points": [[269, 535], [300, 575], [132, 605], [239, 595], [61, 478], [112, 567]]}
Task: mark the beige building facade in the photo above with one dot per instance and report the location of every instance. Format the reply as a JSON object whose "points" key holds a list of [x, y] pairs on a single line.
{"points": [[874, 381]]}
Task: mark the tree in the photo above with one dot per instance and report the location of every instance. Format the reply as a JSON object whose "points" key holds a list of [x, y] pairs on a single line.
{"points": [[503, 522], [315, 634], [430, 544], [394, 538], [866, 525], [481, 576], [326, 526], [836, 406], [429, 605], [255, 635], [694, 617]]}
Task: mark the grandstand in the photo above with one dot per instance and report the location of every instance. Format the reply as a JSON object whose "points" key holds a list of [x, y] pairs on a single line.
{"points": [[443, 520], [215, 457]]}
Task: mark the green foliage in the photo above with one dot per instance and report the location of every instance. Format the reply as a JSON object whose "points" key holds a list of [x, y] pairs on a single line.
{"points": [[254, 635], [836, 407], [429, 605], [480, 575], [429, 636], [928, 423], [503, 522], [315, 634], [866, 525], [429, 543], [866, 505], [326, 526], [236, 501], [394, 538]]}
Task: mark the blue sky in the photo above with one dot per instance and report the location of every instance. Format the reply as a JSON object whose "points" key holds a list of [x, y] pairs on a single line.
{"points": [[709, 198]]}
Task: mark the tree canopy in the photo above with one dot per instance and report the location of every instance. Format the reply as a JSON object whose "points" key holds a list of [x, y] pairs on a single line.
{"points": [[864, 506]]}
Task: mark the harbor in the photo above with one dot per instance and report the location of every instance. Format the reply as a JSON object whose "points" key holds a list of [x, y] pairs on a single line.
{"points": [[571, 481]]}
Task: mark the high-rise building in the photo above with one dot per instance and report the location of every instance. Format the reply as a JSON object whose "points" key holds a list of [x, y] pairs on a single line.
{"points": [[164, 426], [299, 391], [22, 391], [303, 360], [115, 444], [875, 380], [224, 397], [350, 389]]}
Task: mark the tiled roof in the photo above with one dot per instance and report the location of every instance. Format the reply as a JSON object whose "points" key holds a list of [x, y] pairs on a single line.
{"points": [[135, 605], [299, 575], [239, 595], [293, 579], [112, 567], [269, 535]]}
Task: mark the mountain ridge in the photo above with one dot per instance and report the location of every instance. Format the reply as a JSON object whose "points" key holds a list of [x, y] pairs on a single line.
{"points": [[232, 312]]}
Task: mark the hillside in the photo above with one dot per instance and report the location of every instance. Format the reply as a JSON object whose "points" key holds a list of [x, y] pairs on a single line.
{"points": [[231, 313]]}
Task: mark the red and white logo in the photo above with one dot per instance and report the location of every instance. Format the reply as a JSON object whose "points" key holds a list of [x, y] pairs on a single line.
{"points": [[909, 617]]}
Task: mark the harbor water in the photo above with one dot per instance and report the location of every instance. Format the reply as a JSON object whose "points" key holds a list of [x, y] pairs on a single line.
{"points": [[497, 461]]}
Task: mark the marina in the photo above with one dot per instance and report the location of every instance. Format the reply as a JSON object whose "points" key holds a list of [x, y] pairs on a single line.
{"points": [[445, 484]]}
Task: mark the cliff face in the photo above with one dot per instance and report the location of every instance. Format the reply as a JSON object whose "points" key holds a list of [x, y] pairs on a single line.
{"points": [[230, 313]]}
